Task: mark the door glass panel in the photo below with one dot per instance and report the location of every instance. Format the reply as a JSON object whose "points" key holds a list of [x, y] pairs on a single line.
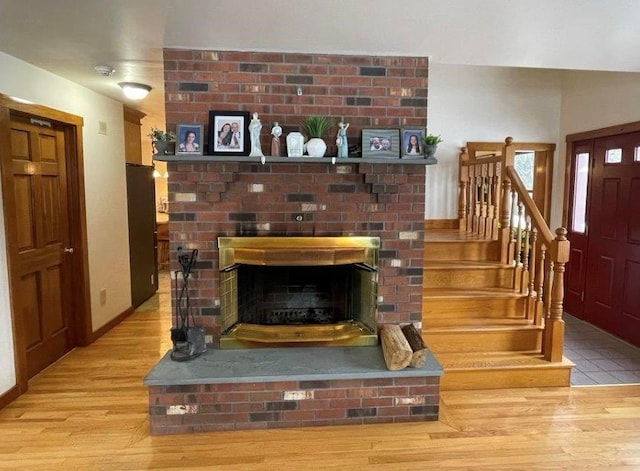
{"points": [[636, 154], [613, 156], [578, 218], [523, 164]]}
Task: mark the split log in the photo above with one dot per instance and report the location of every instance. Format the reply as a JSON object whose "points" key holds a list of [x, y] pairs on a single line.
{"points": [[395, 348], [416, 342]]}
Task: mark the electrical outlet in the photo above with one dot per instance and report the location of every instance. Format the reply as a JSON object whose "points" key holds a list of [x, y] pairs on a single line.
{"points": [[103, 296]]}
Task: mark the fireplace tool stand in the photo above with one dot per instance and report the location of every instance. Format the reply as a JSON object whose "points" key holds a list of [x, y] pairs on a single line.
{"points": [[187, 338]]}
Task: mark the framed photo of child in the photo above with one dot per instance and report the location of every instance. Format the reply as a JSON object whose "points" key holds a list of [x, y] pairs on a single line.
{"points": [[189, 138], [412, 145]]}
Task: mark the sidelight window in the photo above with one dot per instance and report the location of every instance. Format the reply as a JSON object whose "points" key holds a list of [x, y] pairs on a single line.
{"points": [[579, 216]]}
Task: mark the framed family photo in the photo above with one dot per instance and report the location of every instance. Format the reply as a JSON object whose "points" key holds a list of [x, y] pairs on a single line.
{"points": [[229, 133], [412, 143], [380, 143], [190, 140]]}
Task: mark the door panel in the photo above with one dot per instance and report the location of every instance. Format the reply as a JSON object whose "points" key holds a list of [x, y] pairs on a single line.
{"points": [[41, 232], [633, 235], [631, 303], [30, 309], [55, 320], [52, 209], [602, 291], [608, 208], [25, 226], [613, 276]]}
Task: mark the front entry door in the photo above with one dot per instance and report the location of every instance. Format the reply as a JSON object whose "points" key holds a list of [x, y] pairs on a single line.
{"points": [[612, 299], [39, 251]]}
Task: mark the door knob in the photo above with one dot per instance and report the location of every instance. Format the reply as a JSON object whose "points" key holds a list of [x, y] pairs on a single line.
{"points": [[68, 250]]}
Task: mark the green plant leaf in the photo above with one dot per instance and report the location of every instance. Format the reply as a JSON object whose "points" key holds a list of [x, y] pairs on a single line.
{"points": [[431, 140], [316, 126]]}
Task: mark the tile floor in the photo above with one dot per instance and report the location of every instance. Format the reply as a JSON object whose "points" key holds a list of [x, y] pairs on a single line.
{"points": [[600, 358]]}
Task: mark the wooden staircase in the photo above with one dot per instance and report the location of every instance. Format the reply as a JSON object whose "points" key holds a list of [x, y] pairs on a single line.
{"points": [[493, 288], [476, 323]]}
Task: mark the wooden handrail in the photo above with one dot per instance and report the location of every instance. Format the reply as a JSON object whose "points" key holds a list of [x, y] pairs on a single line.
{"points": [[495, 204], [532, 210]]}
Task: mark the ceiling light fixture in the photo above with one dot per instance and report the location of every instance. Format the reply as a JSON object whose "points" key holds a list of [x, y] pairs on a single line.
{"points": [[135, 91]]}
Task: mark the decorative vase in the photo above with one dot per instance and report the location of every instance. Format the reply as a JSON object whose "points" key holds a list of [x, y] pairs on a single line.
{"points": [[161, 147], [316, 147], [430, 151], [295, 144]]}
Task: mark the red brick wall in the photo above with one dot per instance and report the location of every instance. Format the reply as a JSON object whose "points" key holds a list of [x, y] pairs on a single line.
{"points": [[213, 199], [259, 405], [365, 91]]}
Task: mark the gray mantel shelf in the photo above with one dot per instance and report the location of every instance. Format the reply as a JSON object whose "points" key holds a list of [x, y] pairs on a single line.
{"points": [[289, 160]]}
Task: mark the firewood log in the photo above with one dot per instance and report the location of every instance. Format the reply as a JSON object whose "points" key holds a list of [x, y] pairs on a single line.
{"points": [[416, 342], [395, 348]]}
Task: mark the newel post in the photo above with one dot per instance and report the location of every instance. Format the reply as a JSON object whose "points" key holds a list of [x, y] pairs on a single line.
{"points": [[508, 153], [554, 324]]}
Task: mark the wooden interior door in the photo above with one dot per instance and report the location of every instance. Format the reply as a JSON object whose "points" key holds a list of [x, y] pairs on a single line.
{"points": [[39, 241], [613, 268], [578, 227]]}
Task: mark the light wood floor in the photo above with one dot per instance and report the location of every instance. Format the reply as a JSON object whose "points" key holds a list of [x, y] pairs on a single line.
{"points": [[89, 412]]}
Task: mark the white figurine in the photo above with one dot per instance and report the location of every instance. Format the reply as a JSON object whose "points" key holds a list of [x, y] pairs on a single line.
{"points": [[341, 140], [254, 133]]}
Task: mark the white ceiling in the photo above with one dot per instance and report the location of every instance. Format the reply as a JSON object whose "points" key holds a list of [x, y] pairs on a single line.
{"points": [[69, 37]]}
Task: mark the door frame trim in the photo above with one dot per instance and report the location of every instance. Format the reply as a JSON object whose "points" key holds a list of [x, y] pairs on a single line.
{"points": [[81, 327]]}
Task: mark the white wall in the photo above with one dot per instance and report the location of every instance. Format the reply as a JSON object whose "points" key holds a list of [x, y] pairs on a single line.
{"points": [[105, 186], [479, 103]]}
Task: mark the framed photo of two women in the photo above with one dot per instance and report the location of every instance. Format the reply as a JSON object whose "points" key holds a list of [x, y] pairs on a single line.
{"points": [[229, 133]]}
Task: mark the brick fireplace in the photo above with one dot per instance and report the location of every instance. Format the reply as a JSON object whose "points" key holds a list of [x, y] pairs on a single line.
{"points": [[235, 199], [217, 199]]}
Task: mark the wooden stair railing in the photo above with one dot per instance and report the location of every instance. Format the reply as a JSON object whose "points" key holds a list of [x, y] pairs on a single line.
{"points": [[526, 242]]}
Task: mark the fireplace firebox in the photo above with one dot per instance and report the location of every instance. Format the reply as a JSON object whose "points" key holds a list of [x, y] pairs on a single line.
{"points": [[279, 291]]}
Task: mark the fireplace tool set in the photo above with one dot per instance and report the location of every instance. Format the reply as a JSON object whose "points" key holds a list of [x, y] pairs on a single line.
{"points": [[187, 338]]}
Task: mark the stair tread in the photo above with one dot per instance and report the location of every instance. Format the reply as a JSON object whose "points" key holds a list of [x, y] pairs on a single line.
{"points": [[461, 322], [486, 327], [496, 360], [449, 235], [462, 264], [470, 293]]}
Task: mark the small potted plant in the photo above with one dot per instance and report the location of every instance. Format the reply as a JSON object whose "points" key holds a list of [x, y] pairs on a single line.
{"points": [[431, 142], [160, 139], [314, 128]]}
